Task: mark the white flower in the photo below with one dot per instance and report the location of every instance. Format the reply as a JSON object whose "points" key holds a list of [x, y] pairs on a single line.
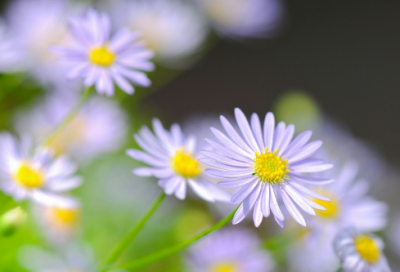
{"points": [[230, 250], [101, 59], [100, 126], [69, 258], [36, 176], [59, 224], [243, 18], [34, 25], [173, 160], [171, 28], [360, 252], [265, 163]]}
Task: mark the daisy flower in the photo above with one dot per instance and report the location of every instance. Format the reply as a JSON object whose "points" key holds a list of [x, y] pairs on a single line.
{"points": [[31, 41], [172, 159], [36, 176], [101, 59], [360, 252], [265, 163], [230, 250], [161, 24], [58, 223], [100, 126], [243, 18]]}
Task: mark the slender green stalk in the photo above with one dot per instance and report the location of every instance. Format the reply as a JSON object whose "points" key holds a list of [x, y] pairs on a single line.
{"points": [[339, 269], [69, 118], [174, 249], [121, 247]]}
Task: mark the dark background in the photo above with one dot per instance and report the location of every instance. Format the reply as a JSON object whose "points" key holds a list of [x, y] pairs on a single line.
{"points": [[346, 54]]}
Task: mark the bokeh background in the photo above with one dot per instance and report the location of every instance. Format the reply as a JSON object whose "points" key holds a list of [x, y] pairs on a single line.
{"points": [[342, 57]]}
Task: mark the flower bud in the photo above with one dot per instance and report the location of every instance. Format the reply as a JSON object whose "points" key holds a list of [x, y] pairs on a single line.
{"points": [[11, 221]]}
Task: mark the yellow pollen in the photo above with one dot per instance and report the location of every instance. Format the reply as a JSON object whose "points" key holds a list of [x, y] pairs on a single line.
{"points": [[367, 248], [101, 56], [332, 207], [270, 167], [185, 165], [65, 216], [224, 267], [28, 176]]}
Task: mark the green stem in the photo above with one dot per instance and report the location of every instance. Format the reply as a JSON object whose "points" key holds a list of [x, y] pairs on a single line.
{"points": [[339, 269], [174, 249], [69, 118], [121, 247]]}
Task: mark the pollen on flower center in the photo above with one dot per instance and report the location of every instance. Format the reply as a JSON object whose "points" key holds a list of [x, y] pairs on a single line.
{"points": [[65, 216], [224, 267], [270, 167], [185, 165], [28, 176], [101, 56], [332, 207], [367, 248]]}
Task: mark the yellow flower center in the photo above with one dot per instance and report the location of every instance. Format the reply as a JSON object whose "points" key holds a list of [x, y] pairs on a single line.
{"points": [[101, 56], [332, 207], [224, 267], [270, 167], [28, 176], [185, 165], [367, 248], [65, 216]]}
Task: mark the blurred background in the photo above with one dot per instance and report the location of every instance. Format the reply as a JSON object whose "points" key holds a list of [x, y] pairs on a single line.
{"points": [[330, 62]]}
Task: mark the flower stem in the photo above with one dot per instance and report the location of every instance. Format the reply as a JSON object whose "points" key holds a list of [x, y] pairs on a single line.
{"points": [[174, 249], [131, 235], [69, 118]]}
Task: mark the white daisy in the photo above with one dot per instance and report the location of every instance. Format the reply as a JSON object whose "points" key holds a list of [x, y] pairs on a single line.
{"points": [[69, 258], [243, 18], [349, 206], [101, 59], [36, 176], [99, 127], [230, 250], [360, 252], [173, 29], [59, 224], [173, 160], [267, 162], [32, 40]]}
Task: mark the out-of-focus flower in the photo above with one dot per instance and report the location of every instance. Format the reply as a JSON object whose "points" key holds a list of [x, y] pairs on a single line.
{"points": [[68, 259], [100, 126], [11, 221], [58, 223], [34, 26], [265, 163], [9, 54], [173, 160], [35, 175], [349, 206], [101, 59], [230, 250], [243, 18], [174, 30], [360, 252]]}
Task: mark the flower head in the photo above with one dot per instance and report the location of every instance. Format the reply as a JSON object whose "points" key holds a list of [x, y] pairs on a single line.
{"points": [[34, 26], [266, 162], [172, 29], [36, 176], [100, 126], [230, 250], [243, 18], [102, 59], [172, 158], [360, 251]]}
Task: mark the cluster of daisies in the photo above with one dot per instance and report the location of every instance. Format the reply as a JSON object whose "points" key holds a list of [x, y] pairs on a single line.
{"points": [[252, 164]]}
